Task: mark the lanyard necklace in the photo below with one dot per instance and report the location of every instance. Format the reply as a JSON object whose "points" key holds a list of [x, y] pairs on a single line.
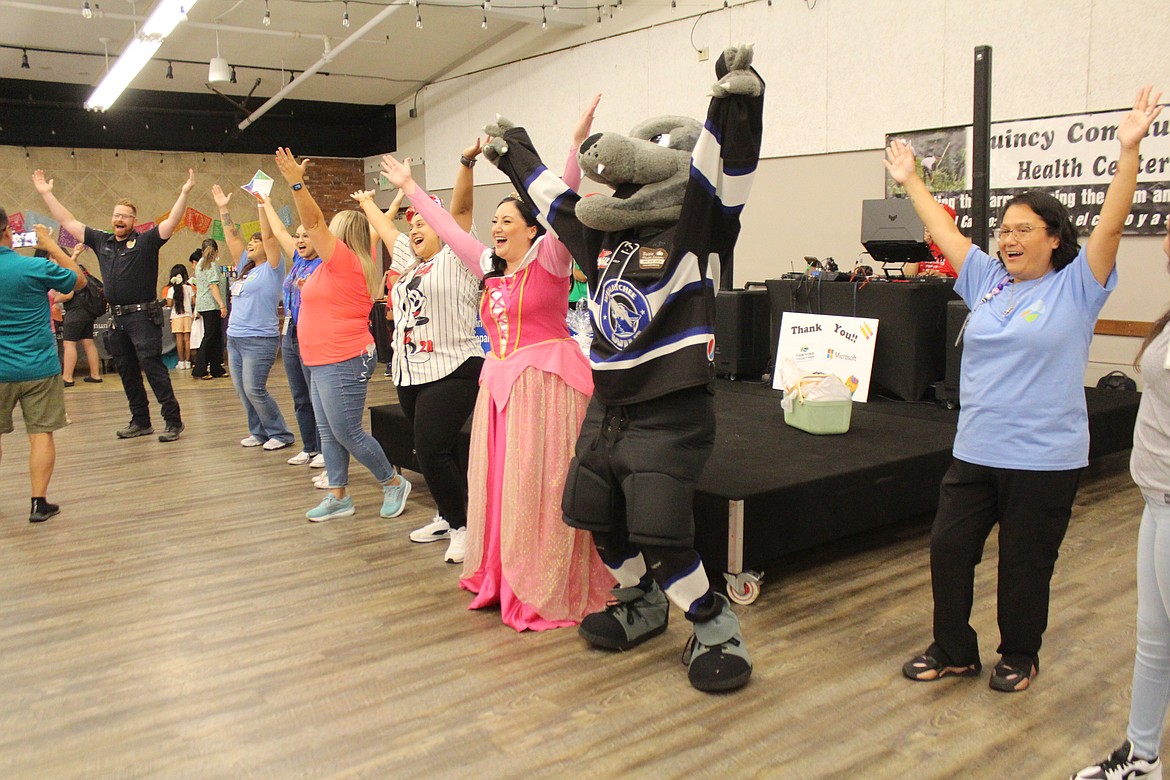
{"points": [[994, 291]]}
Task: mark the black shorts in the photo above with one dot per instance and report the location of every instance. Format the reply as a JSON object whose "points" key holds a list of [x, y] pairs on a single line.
{"points": [[636, 466], [78, 326]]}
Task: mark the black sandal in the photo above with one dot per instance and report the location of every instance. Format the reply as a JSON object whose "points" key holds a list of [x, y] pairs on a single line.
{"points": [[918, 667], [1010, 675]]}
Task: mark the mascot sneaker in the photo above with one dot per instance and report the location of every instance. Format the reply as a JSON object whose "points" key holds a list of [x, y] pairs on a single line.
{"points": [[718, 659], [632, 617]]}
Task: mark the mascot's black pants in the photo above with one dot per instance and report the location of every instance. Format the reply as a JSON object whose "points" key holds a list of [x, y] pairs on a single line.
{"points": [[632, 484]]}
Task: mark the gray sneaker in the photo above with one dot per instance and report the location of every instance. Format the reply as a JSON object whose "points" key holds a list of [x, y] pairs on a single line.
{"points": [[632, 617], [715, 655]]}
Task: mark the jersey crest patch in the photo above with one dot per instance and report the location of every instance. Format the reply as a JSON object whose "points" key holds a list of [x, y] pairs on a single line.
{"points": [[625, 312]]}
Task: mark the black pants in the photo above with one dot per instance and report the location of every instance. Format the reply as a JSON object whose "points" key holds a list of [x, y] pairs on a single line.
{"points": [[1033, 510], [136, 347], [437, 411], [210, 357]]}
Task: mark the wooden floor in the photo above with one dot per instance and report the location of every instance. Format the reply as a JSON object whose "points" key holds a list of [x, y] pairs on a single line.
{"points": [[181, 619]]}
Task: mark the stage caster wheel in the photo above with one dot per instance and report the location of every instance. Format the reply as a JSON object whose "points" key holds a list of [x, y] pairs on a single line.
{"points": [[743, 588], [951, 406]]}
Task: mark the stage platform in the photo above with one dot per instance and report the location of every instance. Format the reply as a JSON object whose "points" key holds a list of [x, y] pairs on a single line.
{"points": [[770, 490]]}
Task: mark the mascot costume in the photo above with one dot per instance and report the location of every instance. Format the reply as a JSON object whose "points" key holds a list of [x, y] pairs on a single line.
{"points": [[653, 254]]}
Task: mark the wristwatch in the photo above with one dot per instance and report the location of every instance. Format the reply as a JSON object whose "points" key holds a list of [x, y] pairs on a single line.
{"points": [[298, 185], [467, 163]]}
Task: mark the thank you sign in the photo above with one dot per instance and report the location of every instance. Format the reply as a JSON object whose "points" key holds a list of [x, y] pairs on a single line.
{"points": [[826, 344]]}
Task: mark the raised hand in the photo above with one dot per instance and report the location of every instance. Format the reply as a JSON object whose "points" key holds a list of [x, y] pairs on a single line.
{"points": [[43, 187], [187, 185], [471, 152], [398, 173], [739, 78], [221, 199], [361, 196], [900, 161], [292, 171], [585, 124], [1136, 123], [44, 237]]}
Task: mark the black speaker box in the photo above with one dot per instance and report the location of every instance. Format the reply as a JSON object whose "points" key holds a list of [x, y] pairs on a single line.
{"points": [[947, 391], [742, 340]]}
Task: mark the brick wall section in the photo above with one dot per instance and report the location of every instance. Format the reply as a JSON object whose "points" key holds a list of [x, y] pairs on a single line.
{"points": [[331, 181]]}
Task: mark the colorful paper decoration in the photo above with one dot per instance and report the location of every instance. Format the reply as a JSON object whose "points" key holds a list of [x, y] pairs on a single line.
{"points": [[65, 239], [145, 226], [217, 230], [196, 220], [16, 220], [248, 228], [286, 215]]}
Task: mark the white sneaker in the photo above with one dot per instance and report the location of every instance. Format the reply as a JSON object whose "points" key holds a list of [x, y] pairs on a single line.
{"points": [[433, 531], [321, 481], [251, 441], [276, 444], [457, 546], [318, 462], [302, 458]]}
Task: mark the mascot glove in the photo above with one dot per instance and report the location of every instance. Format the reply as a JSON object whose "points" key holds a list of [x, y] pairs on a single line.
{"points": [[740, 78], [497, 147]]}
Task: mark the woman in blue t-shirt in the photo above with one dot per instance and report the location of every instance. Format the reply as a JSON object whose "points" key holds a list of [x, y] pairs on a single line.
{"points": [[1023, 435], [254, 327]]}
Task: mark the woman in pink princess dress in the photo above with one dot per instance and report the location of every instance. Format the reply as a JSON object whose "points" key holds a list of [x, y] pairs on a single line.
{"points": [[534, 389]]}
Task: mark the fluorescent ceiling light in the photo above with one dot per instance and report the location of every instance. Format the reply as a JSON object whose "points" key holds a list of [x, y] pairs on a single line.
{"points": [[162, 21]]}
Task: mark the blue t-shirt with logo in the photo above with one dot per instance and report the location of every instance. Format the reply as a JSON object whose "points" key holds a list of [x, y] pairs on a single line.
{"points": [[1025, 350], [255, 299], [28, 349]]}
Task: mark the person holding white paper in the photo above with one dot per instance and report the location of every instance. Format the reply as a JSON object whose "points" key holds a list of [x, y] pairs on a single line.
{"points": [[1023, 435]]}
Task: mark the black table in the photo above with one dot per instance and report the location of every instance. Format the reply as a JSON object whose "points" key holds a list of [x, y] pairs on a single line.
{"points": [[910, 353]]}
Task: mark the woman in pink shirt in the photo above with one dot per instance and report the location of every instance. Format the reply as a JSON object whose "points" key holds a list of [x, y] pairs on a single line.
{"points": [[534, 388], [337, 348]]}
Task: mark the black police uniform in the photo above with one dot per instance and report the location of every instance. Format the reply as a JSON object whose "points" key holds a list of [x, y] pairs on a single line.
{"points": [[129, 272]]}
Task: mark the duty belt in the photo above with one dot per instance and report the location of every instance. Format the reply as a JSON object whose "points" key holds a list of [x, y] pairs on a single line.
{"points": [[118, 309]]}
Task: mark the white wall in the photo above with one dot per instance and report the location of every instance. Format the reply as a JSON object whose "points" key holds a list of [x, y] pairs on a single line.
{"points": [[840, 76]]}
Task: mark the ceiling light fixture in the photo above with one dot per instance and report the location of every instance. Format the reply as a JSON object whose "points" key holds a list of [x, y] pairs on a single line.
{"points": [[267, 20], [170, 71], [345, 16], [543, 19], [218, 71], [24, 59], [86, 11], [167, 14], [599, 14], [232, 80], [417, 18], [483, 26]]}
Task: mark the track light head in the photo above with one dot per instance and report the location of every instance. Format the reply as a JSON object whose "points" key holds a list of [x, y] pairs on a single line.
{"points": [[170, 71], [345, 16], [24, 59], [232, 80], [86, 11]]}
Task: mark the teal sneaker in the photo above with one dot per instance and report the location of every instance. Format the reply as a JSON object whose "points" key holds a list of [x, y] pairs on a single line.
{"points": [[329, 508], [630, 618], [394, 497], [718, 660]]}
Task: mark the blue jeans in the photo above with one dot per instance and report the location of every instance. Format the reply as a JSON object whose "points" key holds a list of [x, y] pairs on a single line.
{"points": [[298, 382], [339, 401], [251, 358], [1151, 666]]}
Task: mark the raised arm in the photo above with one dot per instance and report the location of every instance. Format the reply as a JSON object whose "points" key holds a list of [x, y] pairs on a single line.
{"points": [[287, 244], [463, 196], [310, 213], [943, 230], [467, 249], [58, 255], [231, 231], [582, 131], [271, 245], [166, 228], [1101, 249], [71, 223], [382, 222]]}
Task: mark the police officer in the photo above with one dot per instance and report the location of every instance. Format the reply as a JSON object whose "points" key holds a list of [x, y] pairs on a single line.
{"points": [[129, 264]]}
